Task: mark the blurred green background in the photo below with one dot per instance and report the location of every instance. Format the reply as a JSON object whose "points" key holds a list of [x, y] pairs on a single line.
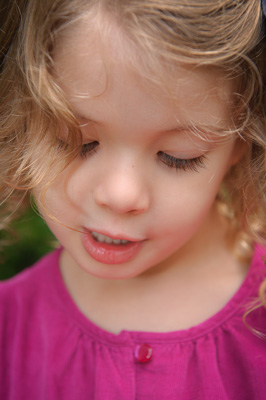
{"points": [[33, 239]]}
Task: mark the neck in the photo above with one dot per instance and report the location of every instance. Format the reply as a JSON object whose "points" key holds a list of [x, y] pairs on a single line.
{"points": [[184, 290]]}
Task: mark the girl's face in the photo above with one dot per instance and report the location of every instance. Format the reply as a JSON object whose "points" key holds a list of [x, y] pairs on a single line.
{"points": [[143, 184]]}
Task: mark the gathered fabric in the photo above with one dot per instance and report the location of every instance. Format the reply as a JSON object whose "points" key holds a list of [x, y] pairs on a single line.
{"points": [[50, 350]]}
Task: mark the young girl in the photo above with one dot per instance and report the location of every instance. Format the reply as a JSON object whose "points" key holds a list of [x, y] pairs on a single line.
{"points": [[138, 129]]}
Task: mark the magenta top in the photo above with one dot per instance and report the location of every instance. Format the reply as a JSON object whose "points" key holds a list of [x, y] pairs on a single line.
{"points": [[50, 350]]}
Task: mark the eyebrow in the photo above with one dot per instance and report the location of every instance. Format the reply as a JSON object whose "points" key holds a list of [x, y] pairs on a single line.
{"points": [[198, 129], [201, 131], [88, 119], [206, 134]]}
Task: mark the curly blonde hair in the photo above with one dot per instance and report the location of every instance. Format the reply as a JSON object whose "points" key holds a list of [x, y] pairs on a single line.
{"points": [[226, 34]]}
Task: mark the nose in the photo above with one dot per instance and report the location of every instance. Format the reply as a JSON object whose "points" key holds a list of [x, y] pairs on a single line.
{"points": [[123, 190]]}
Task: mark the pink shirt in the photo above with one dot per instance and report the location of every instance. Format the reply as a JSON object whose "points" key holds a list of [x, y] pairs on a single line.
{"points": [[50, 350]]}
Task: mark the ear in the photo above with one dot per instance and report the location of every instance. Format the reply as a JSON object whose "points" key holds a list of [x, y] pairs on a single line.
{"points": [[239, 151]]}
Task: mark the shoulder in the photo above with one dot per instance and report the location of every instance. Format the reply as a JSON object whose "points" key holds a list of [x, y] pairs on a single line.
{"points": [[28, 303], [33, 326], [259, 254], [32, 273], [258, 263], [19, 291]]}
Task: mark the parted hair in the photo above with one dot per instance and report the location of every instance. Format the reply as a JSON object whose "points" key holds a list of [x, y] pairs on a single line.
{"points": [[224, 34]]}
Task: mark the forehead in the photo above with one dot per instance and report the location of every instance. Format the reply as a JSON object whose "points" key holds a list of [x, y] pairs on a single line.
{"points": [[92, 62]]}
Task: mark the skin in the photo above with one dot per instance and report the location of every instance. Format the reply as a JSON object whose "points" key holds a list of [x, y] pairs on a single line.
{"points": [[124, 189]]}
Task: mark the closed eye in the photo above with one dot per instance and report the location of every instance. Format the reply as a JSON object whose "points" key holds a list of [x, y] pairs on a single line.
{"points": [[87, 148], [192, 164]]}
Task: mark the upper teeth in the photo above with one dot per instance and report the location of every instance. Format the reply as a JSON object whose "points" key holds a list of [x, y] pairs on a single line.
{"points": [[106, 239]]}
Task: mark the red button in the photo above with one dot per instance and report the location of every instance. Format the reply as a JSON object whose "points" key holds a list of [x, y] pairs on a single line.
{"points": [[143, 353]]}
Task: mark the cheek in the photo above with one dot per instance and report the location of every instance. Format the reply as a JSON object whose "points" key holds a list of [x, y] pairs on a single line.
{"points": [[186, 203], [52, 202], [58, 190], [190, 207], [76, 183]]}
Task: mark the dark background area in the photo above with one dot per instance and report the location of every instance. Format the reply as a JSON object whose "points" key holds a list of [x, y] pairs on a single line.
{"points": [[31, 241]]}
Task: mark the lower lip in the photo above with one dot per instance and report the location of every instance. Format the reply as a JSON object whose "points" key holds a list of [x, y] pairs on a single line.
{"points": [[110, 253]]}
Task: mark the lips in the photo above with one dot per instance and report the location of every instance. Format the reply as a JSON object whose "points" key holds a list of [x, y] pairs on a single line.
{"points": [[110, 250]]}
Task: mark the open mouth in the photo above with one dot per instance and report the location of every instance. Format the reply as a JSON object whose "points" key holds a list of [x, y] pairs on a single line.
{"points": [[108, 250], [106, 239]]}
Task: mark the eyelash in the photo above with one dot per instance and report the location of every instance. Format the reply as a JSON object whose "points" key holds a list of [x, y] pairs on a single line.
{"points": [[192, 164], [88, 148]]}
